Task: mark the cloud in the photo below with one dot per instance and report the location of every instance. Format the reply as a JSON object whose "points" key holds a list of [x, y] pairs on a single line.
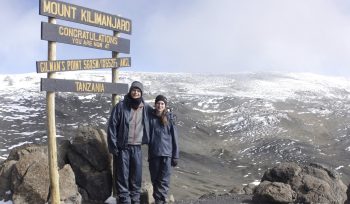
{"points": [[20, 37], [252, 35], [200, 35]]}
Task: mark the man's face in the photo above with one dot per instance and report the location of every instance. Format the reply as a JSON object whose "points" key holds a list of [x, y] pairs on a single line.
{"points": [[135, 93], [160, 106]]}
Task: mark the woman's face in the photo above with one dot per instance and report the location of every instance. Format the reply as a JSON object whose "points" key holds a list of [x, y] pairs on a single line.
{"points": [[160, 106]]}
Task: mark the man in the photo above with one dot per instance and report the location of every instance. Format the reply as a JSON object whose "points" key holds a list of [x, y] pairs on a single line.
{"points": [[128, 129]]}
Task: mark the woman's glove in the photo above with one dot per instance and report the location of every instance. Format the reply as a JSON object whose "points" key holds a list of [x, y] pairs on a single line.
{"points": [[173, 162]]}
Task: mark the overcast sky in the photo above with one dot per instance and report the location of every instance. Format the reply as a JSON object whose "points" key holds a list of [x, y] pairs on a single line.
{"points": [[198, 35]]}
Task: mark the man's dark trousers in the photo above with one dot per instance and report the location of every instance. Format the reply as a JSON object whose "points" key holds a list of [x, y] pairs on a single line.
{"points": [[128, 173]]}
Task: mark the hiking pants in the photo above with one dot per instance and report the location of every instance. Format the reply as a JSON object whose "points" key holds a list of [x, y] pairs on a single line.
{"points": [[128, 174], [160, 170]]}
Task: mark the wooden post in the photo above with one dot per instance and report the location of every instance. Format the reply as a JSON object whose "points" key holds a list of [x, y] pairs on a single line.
{"points": [[115, 74], [115, 99], [51, 129]]}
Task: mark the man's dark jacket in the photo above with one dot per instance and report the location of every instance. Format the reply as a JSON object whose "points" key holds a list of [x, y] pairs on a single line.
{"points": [[118, 126]]}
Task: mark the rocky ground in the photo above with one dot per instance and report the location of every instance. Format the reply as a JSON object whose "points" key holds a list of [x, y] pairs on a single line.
{"points": [[222, 199], [85, 177]]}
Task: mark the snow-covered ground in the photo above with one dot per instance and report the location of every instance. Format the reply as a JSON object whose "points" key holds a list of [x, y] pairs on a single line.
{"points": [[244, 122]]}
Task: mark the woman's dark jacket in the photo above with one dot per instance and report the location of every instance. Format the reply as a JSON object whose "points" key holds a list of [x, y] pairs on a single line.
{"points": [[118, 125], [163, 138]]}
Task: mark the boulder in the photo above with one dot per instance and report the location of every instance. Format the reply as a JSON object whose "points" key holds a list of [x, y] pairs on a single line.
{"points": [[237, 190], [90, 161], [248, 189], [89, 143], [62, 148], [84, 166], [243, 190], [283, 173], [348, 194], [147, 193], [5, 178], [274, 192], [314, 183], [30, 179], [69, 193], [26, 149], [171, 199]]}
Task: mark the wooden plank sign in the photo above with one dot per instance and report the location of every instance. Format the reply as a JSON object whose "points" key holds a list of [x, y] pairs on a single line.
{"points": [[81, 64], [78, 14], [75, 36], [62, 85]]}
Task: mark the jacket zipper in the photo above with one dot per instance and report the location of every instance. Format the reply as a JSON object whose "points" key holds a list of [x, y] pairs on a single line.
{"points": [[135, 115]]}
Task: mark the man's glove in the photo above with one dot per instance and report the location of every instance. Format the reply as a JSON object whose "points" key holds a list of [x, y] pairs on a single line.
{"points": [[173, 162], [115, 153]]}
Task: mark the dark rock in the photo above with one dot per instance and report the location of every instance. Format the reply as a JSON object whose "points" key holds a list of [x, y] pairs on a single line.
{"points": [[5, 178], [30, 179], [89, 159], [248, 189], [282, 173], [237, 190], [274, 192], [90, 146], [207, 196], [348, 194], [313, 183], [69, 193], [63, 147], [26, 149], [84, 195], [213, 198], [330, 172], [25, 174]]}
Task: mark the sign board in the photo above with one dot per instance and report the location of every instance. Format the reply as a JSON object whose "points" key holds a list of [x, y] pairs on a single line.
{"points": [[78, 14], [75, 36], [81, 64], [61, 85]]}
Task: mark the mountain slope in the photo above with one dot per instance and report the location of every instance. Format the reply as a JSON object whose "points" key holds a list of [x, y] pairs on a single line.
{"points": [[232, 127]]}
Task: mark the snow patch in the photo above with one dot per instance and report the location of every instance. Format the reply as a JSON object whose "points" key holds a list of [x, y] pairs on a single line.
{"points": [[19, 144], [6, 202], [339, 167], [256, 182]]}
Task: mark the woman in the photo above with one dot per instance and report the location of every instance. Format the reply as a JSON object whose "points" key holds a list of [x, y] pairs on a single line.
{"points": [[163, 151]]}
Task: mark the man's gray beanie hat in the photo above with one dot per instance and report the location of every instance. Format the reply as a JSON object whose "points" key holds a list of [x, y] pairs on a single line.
{"points": [[137, 84]]}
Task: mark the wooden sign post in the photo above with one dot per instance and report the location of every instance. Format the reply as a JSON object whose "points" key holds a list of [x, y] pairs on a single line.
{"points": [[51, 128], [115, 75], [58, 33]]}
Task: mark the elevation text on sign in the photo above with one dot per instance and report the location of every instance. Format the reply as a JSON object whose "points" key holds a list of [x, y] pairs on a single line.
{"points": [[81, 64]]}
